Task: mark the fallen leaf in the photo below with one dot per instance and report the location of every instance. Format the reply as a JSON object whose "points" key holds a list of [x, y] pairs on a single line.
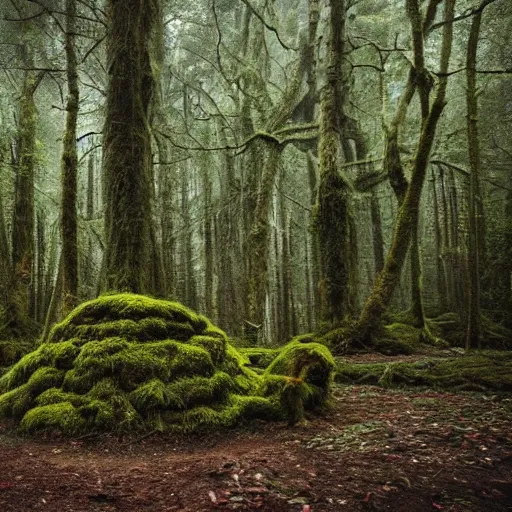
{"points": [[436, 505], [306, 508], [5, 485], [367, 498]]}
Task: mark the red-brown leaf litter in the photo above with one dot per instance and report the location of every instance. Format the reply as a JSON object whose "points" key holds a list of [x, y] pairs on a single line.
{"points": [[396, 450]]}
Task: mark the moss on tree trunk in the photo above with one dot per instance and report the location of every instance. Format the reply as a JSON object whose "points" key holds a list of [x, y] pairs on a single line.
{"points": [[333, 222], [407, 219], [24, 213], [127, 147]]}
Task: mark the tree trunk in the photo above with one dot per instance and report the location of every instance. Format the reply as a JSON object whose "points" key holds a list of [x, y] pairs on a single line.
{"points": [[407, 219], [23, 215], [69, 171], [474, 253], [440, 269], [5, 263], [333, 221], [258, 240], [210, 310], [188, 282], [40, 296], [378, 239], [127, 148]]}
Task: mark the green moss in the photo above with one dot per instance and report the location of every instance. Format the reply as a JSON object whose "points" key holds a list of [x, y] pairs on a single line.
{"points": [[215, 346], [150, 395], [142, 330], [338, 339], [17, 402], [233, 412], [62, 417], [126, 306], [300, 378], [44, 378], [56, 395], [397, 338], [125, 363], [483, 371], [259, 356], [100, 414], [199, 390], [311, 362], [79, 381], [192, 360], [22, 370]]}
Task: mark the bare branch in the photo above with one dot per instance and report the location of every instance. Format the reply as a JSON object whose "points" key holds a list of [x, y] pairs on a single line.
{"points": [[267, 25], [465, 15]]}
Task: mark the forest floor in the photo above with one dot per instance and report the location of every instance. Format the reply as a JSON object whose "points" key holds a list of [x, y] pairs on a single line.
{"points": [[378, 449]]}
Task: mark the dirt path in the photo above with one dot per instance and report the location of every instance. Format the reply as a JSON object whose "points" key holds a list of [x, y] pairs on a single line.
{"points": [[377, 450]]}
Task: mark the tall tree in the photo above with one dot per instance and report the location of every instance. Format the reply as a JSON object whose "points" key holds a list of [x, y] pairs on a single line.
{"points": [[69, 169], [333, 221], [127, 147], [475, 207], [407, 219], [24, 211]]}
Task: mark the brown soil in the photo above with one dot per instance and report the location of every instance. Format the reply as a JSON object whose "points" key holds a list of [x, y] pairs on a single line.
{"points": [[406, 451]]}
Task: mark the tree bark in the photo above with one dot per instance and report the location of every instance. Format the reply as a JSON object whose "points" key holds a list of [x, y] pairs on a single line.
{"points": [[333, 221], [407, 219], [69, 169], [24, 213], [474, 253], [440, 269], [127, 147]]}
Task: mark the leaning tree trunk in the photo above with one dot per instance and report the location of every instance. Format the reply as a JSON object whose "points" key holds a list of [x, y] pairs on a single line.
{"points": [[407, 219], [69, 171], [127, 147]]}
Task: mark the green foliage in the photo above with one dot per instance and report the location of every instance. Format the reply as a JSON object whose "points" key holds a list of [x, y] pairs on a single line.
{"points": [[450, 328], [126, 363]]}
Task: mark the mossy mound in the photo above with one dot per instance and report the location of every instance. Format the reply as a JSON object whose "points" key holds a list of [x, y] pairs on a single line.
{"points": [[397, 338], [300, 378], [127, 363], [479, 372]]}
